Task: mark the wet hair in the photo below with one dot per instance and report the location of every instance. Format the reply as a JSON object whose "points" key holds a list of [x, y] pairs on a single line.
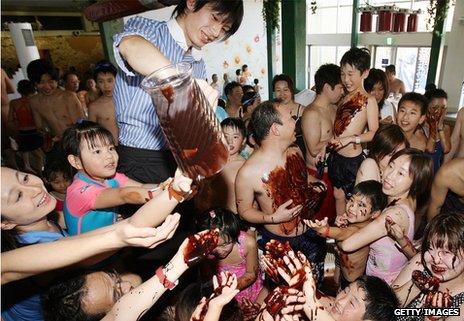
{"points": [[360, 58], [391, 69], [287, 79], [415, 98], [421, 172], [25, 87], [231, 9], [381, 300], [88, 131], [327, 74], [377, 76], [235, 123], [386, 140], [435, 93], [373, 191], [230, 87], [263, 117], [104, 67], [64, 300], [444, 229], [55, 167], [39, 67], [191, 296], [226, 221]]}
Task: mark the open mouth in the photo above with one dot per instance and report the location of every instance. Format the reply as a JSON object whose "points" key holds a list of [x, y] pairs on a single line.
{"points": [[45, 198], [438, 269], [110, 166], [387, 185]]}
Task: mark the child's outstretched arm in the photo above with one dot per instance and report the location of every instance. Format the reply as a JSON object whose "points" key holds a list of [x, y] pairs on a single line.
{"points": [[156, 210], [70, 250], [252, 265], [323, 229]]}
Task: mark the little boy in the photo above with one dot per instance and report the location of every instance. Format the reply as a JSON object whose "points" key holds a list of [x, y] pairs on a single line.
{"points": [[412, 110], [220, 191], [355, 111], [365, 204], [102, 110]]}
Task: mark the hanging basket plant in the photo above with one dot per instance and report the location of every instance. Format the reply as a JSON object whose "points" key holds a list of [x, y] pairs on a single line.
{"points": [[271, 13], [437, 11]]}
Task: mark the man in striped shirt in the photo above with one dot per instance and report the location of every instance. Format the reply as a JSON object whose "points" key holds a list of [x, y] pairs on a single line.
{"points": [[146, 45]]}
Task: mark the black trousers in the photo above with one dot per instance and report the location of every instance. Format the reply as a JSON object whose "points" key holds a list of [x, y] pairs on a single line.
{"points": [[144, 165]]}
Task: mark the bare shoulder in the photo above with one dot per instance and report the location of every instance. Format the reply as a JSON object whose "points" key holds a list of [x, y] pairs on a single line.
{"points": [[369, 164]]}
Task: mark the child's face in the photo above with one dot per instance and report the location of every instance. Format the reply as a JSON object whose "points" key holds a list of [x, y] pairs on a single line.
{"points": [[443, 263], [98, 162], [409, 116], [224, 248], [105, 82], [59, 183], [204, 26], [47, 85], [352, 78], [234, 138], [358, 209]]}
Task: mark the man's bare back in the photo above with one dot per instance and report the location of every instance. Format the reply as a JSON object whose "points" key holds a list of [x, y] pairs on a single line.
{"points": [[102, 111], [356, 111], [58, 110], [317, 123]]}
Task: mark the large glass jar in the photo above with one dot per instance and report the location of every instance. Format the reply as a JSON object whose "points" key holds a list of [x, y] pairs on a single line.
{"points": [[188, 121]]}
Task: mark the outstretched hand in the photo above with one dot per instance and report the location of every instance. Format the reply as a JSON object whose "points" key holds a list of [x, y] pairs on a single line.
{"points": [[225, 291], [320, 226], [131, 235], [294, 273]]}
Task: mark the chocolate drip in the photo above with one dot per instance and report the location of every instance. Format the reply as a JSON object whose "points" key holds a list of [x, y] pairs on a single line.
{"points": [[198, 248], [347, 111]]}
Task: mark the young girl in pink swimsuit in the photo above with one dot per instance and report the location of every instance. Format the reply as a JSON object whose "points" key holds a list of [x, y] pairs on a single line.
{"points": [[407, 182], [237, 251]]}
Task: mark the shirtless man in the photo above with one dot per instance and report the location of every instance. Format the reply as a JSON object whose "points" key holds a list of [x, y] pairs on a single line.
{"points": [[317, 125], [448, 189], [412, 110], [457, 138], [356, 110], [395, 85], [275, 176], [102, 110], [52, 107]]}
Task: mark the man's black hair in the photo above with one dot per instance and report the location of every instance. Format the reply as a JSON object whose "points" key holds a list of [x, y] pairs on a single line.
{"points": [[360, 58], [327, 74], [63, 301], [235, 123], [232, 10], [417, 99], [25, 87], [263, 117], [104, 67], [39, 67], [391, 69], [230, 87], [435, 93], [373, 191], [381, 300]]}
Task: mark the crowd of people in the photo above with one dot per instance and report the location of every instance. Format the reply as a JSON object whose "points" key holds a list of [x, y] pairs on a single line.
{"points": [[97, 223]]}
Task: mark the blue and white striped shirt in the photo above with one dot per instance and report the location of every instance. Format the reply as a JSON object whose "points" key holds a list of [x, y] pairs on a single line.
{"points": [[138, 123]]}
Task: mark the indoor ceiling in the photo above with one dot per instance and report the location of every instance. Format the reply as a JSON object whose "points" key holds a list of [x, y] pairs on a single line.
{"points": [[44, 5]]}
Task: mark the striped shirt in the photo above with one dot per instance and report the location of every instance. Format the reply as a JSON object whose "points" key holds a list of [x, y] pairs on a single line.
{"points": [[138, 123]]}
